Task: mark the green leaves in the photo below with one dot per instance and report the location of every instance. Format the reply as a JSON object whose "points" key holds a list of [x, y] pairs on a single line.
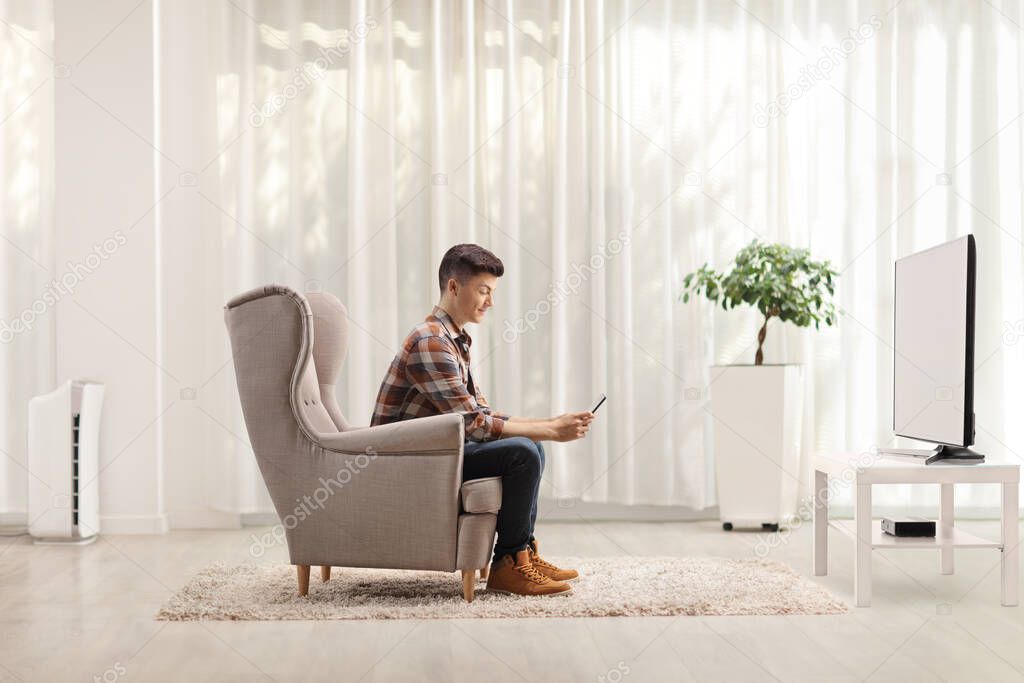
{"points": [[779, 280]]}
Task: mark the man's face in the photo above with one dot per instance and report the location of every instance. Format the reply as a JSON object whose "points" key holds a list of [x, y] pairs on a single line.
{"points": [[474, 297]]}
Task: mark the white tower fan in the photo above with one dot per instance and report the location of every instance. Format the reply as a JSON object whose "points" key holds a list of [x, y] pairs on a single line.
{"points": [[63, 459]]}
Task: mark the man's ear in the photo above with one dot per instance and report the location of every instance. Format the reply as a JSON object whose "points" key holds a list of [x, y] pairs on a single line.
{"points": [[453, 286]]}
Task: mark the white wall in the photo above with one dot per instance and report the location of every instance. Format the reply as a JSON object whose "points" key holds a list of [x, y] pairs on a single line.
{"points": [[200, 404], [104, 188], [139, 322]]}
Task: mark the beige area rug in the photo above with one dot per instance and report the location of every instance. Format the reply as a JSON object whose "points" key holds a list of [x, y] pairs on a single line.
{"points": [[607, 587]]}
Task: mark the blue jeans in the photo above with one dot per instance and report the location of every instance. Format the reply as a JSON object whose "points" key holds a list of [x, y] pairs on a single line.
{"points": [[519, 462]]}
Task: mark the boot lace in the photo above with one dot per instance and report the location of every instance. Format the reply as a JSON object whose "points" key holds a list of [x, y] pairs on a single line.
{"points": [[537, 560], [530, 572]]}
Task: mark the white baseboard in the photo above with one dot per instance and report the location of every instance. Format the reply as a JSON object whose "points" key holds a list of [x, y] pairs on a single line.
{"points": [[204, 519], [133, 524], [260, 519], [565, 510], [218, 519]]}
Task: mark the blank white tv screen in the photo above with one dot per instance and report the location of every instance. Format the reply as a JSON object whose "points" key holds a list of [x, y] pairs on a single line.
{"points": [[934, 344]]}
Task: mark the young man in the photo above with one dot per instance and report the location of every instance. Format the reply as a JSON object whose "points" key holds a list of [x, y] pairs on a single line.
{"points": [[430, 375]]}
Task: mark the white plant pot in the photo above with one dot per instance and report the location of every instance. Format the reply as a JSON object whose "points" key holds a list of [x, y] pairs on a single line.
{"points": [[757, 412]]}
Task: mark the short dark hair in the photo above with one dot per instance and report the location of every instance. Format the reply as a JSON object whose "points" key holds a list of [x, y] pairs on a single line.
{"points": [[463, 261]]}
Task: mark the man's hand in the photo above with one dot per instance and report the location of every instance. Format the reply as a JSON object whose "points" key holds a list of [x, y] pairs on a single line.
{"points": [[571, 426], [565, 427]]}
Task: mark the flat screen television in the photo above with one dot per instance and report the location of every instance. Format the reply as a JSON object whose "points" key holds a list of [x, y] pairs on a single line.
{"points": [[933, 367]]}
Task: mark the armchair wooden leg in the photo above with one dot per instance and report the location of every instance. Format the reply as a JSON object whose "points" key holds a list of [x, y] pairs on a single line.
{"points": [[303, 574], [325, 574], [468, 584], [484, 571]]}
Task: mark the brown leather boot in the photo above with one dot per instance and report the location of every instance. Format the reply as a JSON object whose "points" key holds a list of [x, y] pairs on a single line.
{"points": [[546, 568], [517, 576]]}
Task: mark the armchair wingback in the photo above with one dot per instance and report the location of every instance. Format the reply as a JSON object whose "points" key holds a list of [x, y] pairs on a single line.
{"points": [[389, 496]]}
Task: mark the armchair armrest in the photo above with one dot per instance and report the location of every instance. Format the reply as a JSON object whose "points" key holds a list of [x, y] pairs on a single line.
{"points": [[424, 435]]}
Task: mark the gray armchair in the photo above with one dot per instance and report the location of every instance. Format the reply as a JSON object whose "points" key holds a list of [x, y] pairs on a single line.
{"points": [[389, 496]]}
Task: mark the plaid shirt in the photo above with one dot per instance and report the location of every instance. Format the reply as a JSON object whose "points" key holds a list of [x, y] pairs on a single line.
{"points": [[430, 376]]}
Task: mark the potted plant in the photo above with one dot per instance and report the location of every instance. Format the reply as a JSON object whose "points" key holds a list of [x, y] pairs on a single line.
{"points": [[757, 408]]}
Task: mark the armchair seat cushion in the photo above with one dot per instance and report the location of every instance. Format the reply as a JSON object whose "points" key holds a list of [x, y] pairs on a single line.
{"points": [[481, 495]]}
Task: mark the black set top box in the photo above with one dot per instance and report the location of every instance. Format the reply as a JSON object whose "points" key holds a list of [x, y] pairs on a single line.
{"points": [[911, 526]]}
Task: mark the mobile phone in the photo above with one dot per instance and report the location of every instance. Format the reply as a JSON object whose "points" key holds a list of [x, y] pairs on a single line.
{"points": [[599, 402]]}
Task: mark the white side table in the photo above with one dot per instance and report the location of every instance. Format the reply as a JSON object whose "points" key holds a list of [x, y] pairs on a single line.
{"points": [[862, 473]]}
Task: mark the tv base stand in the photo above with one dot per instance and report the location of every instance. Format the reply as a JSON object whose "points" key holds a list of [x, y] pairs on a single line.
{"points": [[954, 455]]}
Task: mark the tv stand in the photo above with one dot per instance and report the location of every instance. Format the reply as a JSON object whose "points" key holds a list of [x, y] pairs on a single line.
{"points": [[834, 472], [954, 455]]}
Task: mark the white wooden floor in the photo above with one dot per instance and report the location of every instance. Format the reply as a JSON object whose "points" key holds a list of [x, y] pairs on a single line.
{"points": [[86, 614]]}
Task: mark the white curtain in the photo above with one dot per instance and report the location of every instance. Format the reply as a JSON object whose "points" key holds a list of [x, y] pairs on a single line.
{"points": [[26, 234], [602, 150]]}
